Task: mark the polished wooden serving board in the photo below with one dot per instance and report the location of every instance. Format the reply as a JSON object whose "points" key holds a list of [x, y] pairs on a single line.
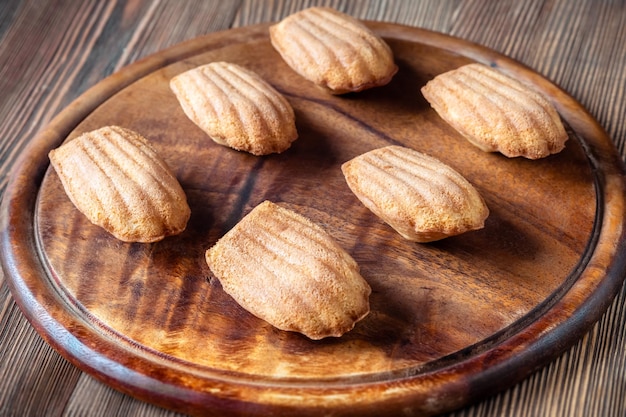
{"points": [[450, 321]]}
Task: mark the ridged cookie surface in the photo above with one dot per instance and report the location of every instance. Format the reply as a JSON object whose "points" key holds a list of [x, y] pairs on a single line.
{"points": [[236, 108], [119, 182], [333, 50], [288, 271], [422, 198], [496, 113]]}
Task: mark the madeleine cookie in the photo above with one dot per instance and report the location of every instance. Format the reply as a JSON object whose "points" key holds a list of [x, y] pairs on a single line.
{"points": [[288, 271], [422, 198], [236, 108], [117, 180], [496, 113], [333, 50]]}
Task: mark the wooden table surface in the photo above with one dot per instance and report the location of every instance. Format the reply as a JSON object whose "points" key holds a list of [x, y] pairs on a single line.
{"points": [[51, 51]]}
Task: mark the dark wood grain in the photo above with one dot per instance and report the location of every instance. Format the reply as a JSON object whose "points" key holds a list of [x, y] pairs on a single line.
{"points": [[578, 45], [450, 322]]}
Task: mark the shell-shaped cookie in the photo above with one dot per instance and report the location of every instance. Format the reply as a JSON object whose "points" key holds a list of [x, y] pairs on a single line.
{"points": [[496, 113], [422, 198], [236, 108], [288, 271], [333, 50], [119, 182]]}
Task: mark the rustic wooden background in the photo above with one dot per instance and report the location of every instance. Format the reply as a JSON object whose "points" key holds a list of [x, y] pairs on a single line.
{"points": [[51, 51]]}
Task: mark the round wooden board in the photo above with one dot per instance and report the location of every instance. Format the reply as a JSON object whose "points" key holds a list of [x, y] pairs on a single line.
{"points": [[450, 321]]}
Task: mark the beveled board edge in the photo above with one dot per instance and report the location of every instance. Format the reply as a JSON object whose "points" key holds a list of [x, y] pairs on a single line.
{"points": [[132, 372]]}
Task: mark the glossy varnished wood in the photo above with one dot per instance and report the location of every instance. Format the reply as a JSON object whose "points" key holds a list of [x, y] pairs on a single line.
{"points": [[450, 322]]}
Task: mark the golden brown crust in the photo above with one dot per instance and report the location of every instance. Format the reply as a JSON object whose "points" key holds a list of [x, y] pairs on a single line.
{"points": [[288, 271], [117, 180], [333, 50], [422, 198], [236, 108], [496, 113]]}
